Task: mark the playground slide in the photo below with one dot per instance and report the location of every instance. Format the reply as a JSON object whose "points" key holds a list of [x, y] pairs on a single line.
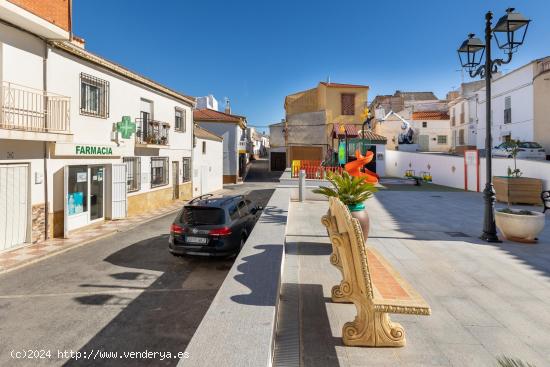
{"points": [[354, 168]]}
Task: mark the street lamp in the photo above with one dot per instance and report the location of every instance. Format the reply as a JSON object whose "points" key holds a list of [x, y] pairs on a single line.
{"points": [[509, 32]]}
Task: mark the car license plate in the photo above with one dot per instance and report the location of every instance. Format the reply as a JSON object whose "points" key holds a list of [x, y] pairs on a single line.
{"points": [[200, 240]]}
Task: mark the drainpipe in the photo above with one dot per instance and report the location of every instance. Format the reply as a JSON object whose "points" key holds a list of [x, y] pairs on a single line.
{"points": [[45, 87]]}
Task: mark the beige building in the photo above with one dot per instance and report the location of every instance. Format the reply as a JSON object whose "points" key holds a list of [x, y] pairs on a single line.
{"points": [[314, 117]]}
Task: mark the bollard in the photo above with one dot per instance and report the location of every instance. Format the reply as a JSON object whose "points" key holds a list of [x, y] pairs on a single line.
{"points": [[302, 185]]}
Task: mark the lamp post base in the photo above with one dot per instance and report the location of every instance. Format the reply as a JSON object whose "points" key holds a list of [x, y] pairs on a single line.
{"points": [[489, 237]]}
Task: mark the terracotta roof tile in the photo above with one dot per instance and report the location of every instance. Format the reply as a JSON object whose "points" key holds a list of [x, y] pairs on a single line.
{"points": [[207, 114], [201, 133], [430, 115]]}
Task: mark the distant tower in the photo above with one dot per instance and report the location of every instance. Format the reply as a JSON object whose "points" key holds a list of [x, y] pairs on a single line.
{"points": [[227, 106]]}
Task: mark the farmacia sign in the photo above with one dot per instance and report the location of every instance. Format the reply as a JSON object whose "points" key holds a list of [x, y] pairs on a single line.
{"points": [[93, 150]]}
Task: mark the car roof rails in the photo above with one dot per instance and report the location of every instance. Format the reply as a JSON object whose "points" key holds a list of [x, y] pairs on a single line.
{"points": [[198, 198]]}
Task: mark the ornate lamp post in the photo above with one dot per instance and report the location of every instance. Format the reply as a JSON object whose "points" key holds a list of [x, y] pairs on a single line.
{"points": [[509, 33]]}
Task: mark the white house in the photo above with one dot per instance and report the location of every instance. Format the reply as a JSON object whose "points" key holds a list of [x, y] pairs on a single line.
{"points": [[207, 162], [82, 139], [463, 114], [232, 128], [520, 106]]}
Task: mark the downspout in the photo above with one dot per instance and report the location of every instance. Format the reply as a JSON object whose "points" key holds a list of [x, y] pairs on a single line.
{"points": [[45, 87]]}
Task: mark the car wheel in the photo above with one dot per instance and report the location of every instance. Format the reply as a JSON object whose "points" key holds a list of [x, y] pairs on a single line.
{"points": [[509, 156], [243, 241]]}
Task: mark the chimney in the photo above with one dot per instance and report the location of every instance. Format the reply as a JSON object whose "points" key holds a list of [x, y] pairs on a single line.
{"points": [[227, 106]]}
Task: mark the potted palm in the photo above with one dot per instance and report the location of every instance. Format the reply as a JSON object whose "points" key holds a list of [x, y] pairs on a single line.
{"points": [[353, 192]]}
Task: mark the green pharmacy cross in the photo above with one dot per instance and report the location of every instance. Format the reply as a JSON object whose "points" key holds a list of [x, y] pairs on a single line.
{"points": [[126, 127]]}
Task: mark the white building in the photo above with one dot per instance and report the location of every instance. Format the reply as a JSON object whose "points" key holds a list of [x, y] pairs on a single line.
{"points": [[82, 139], [232, 128], [207, 162], [520, 106], [208, 101], [463, 114]]}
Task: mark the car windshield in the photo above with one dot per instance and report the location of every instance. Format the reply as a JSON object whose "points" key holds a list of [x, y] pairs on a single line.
{"points": [[530, 145], [196, 216]]}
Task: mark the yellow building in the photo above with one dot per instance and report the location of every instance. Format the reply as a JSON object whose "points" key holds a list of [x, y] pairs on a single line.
{"points": [[314, 117]]}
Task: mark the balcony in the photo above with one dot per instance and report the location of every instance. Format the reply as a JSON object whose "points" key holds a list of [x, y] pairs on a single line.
{"points": [[151, 133], [32, 114]]}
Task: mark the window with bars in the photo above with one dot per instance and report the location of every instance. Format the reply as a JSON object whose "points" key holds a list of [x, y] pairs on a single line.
{"points": [[348, 103], [508, 110], [180, 121], [94, 96], [424, 124], [442, 139], [203, 147], [186, 164], [133, 173], [159, 171]]}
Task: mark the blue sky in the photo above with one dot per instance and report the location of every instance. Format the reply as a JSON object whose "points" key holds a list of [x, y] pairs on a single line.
{"points": [[256, 52]]}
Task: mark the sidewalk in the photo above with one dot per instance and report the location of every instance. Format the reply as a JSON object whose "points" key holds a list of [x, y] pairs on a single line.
{"points": [[13, 259], [487, 300]]}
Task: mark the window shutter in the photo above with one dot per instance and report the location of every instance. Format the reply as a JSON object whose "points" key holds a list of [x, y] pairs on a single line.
{"points": [[348, 104]]}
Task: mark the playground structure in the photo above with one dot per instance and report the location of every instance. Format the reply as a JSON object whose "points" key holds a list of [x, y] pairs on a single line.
{"points": [[354, 167]]}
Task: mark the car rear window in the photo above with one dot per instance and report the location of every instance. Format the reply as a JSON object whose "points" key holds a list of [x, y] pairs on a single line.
{"points": [[196, 215]]}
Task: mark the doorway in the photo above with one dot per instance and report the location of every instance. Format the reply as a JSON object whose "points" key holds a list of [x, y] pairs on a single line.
{"points": [[424, 142], [96, 193], [176, 179]]}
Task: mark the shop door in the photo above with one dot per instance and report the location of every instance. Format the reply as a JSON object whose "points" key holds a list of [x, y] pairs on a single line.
{"points": [[118, 192], [176, 179], [14, 205], [96, 193], [278, 161]]}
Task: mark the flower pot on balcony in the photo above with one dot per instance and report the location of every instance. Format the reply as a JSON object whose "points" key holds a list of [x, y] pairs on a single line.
{"points": [[520, 226], [518, 190]]}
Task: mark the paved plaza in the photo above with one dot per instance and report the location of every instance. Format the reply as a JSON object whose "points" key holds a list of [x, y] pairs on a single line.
{"points": [[487, 300]]}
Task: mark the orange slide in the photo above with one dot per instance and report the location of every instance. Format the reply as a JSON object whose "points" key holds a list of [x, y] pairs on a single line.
{"points": [[354, 168]]}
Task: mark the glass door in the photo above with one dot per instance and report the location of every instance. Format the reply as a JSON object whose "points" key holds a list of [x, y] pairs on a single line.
{"points": [[96, 193]]}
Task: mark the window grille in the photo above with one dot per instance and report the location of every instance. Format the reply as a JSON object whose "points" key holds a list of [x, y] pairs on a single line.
{"points": [[94, 96], [133, 173], [186, 165], [159, 171]]}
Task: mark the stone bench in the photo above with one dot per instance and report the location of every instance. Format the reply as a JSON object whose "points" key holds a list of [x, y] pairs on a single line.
{"points": [[370, 283]]}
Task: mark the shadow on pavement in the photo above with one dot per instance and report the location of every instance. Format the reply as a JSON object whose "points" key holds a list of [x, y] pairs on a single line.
{"points": [[254, 271], [166, 311]]}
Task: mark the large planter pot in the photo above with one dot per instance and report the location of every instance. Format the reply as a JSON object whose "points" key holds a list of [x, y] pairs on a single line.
{"points": [[518, 190], [359, 212], [520, 228]]}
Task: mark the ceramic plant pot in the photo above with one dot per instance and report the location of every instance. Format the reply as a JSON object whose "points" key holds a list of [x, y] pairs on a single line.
{"points": [[359, 212], [520, 228]]}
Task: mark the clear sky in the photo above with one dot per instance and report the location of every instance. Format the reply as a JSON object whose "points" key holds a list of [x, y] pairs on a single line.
{"points": [[256, 52]]}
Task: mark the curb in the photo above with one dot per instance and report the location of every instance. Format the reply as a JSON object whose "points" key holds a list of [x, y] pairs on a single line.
{"points": [[77, 245]]}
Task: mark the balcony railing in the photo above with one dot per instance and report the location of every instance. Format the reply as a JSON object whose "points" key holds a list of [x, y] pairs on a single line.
{"points": [[152, 132], [29, 109]]}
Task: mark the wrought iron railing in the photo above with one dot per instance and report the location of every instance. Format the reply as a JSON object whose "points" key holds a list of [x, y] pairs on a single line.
{"points": [[29, 109], [152, 132]]}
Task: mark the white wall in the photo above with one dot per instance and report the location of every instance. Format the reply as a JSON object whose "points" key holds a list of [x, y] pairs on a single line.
{"points": [[207, 168], [125, 97], [21, 57], [517, 84], [448, 170], [231, 134]]}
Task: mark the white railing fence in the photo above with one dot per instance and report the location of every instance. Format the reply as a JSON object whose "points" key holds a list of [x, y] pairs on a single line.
{"points": [[29, 109]]}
